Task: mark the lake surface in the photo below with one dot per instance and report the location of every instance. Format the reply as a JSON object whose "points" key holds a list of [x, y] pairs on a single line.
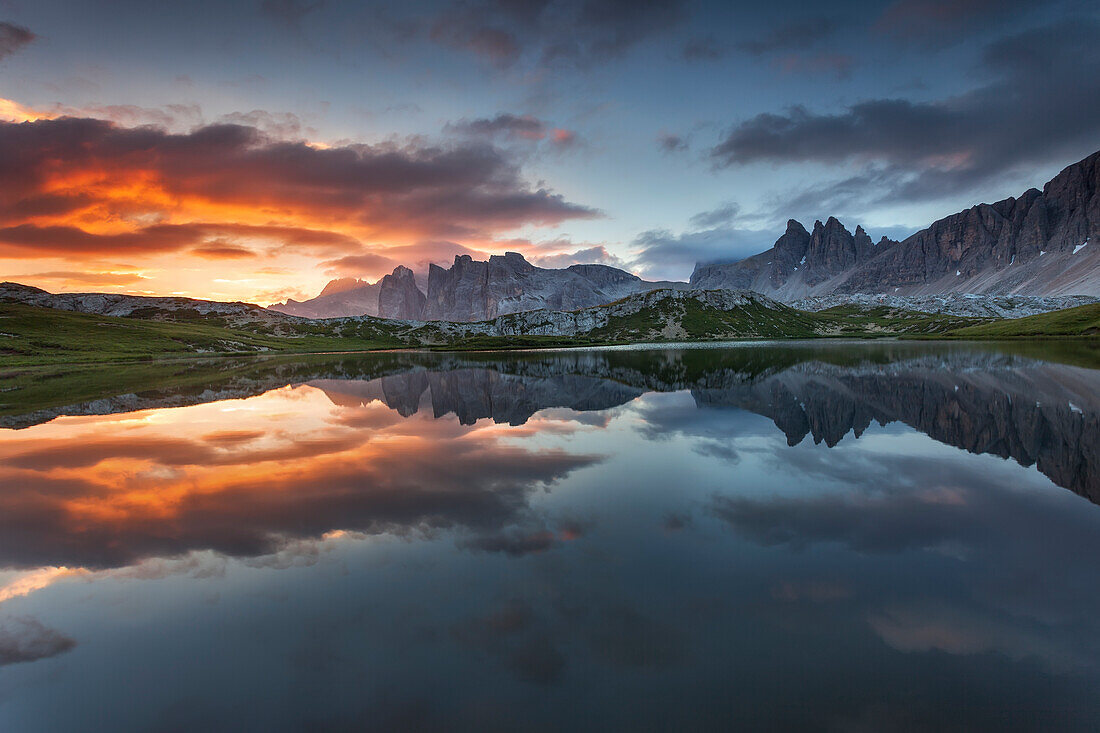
{"points": [[820, 536]]}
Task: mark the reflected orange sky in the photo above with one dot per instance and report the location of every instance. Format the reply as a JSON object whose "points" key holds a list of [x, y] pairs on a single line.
{"points": [[250, 477]]}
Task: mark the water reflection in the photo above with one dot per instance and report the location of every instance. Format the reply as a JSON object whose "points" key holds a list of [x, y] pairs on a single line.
{"points": [[822, 537]]}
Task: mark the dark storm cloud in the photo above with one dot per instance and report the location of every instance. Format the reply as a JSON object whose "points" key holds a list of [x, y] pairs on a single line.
{"points": [[553, 32], [458, 189], [1043, 102], [25, 639], [13, 38]]}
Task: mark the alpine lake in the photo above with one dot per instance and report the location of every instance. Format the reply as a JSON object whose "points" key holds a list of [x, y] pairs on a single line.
{"points": [[823, 535]]}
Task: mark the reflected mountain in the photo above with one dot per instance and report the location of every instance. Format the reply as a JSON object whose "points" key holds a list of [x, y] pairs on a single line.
{"points": [[1030, 411], [977, 398]]}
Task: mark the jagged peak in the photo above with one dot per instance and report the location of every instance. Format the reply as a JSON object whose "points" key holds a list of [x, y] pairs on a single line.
{"points": [[795, 227]]}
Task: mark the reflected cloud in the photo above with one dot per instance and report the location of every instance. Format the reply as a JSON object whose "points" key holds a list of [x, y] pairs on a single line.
{"points": [[75, 499], [24, 639]]}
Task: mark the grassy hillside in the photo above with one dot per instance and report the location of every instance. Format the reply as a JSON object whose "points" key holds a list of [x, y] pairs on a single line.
{"points": [[32, 335], [1082, 321]]}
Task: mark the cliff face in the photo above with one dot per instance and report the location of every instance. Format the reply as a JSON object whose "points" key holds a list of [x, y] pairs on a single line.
{"points": [[798, 263], [476, 291], [1042, 243], [471, 290], [398, 296]]}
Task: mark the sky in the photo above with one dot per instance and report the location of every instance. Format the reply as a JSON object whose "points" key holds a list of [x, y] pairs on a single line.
{"points": [[255, 150]]}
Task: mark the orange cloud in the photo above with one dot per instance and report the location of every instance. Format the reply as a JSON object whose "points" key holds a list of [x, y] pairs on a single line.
{"points": [[80, 189]]}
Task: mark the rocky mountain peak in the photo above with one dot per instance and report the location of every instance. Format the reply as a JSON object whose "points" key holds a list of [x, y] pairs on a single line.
{"points": [[342, 285], [512, 262], [604, 274], [398, 296]]}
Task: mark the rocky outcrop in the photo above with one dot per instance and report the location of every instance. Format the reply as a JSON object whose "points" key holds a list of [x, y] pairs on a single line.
{"points": [[967, 305], [666, 307], [138, 306], [1042, 243], [398, 296]]}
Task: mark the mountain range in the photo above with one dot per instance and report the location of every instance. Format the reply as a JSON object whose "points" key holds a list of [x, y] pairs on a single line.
{"points": [[472, 290], [1042, 243]]}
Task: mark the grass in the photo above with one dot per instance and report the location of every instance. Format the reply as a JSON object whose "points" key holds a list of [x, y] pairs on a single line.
{"points": [[1082, 321], [32, 335]]}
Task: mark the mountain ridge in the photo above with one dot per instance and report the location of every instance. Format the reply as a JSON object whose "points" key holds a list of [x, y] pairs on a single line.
{"points": [[1041, 243], [473, 290]]}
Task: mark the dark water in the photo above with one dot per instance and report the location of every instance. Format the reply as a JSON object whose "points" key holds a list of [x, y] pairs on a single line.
{"points": [[846, 537]]}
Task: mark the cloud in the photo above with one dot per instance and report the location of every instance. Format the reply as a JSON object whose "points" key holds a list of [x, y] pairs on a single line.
{"points": [[704, 48], [575, 33], [508, 127], [282, 125], [597, 254], [513, 543], [670, 143], [233, 182], [416, 256], [1043, 102], [368, 263], [383, 480], [89, 278], [504, 124], [838, 64], [289, 13], [223, 252], [793, 34], [24, 639], [661, 254], [12, 38], [723, 214], [940, 23]]}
